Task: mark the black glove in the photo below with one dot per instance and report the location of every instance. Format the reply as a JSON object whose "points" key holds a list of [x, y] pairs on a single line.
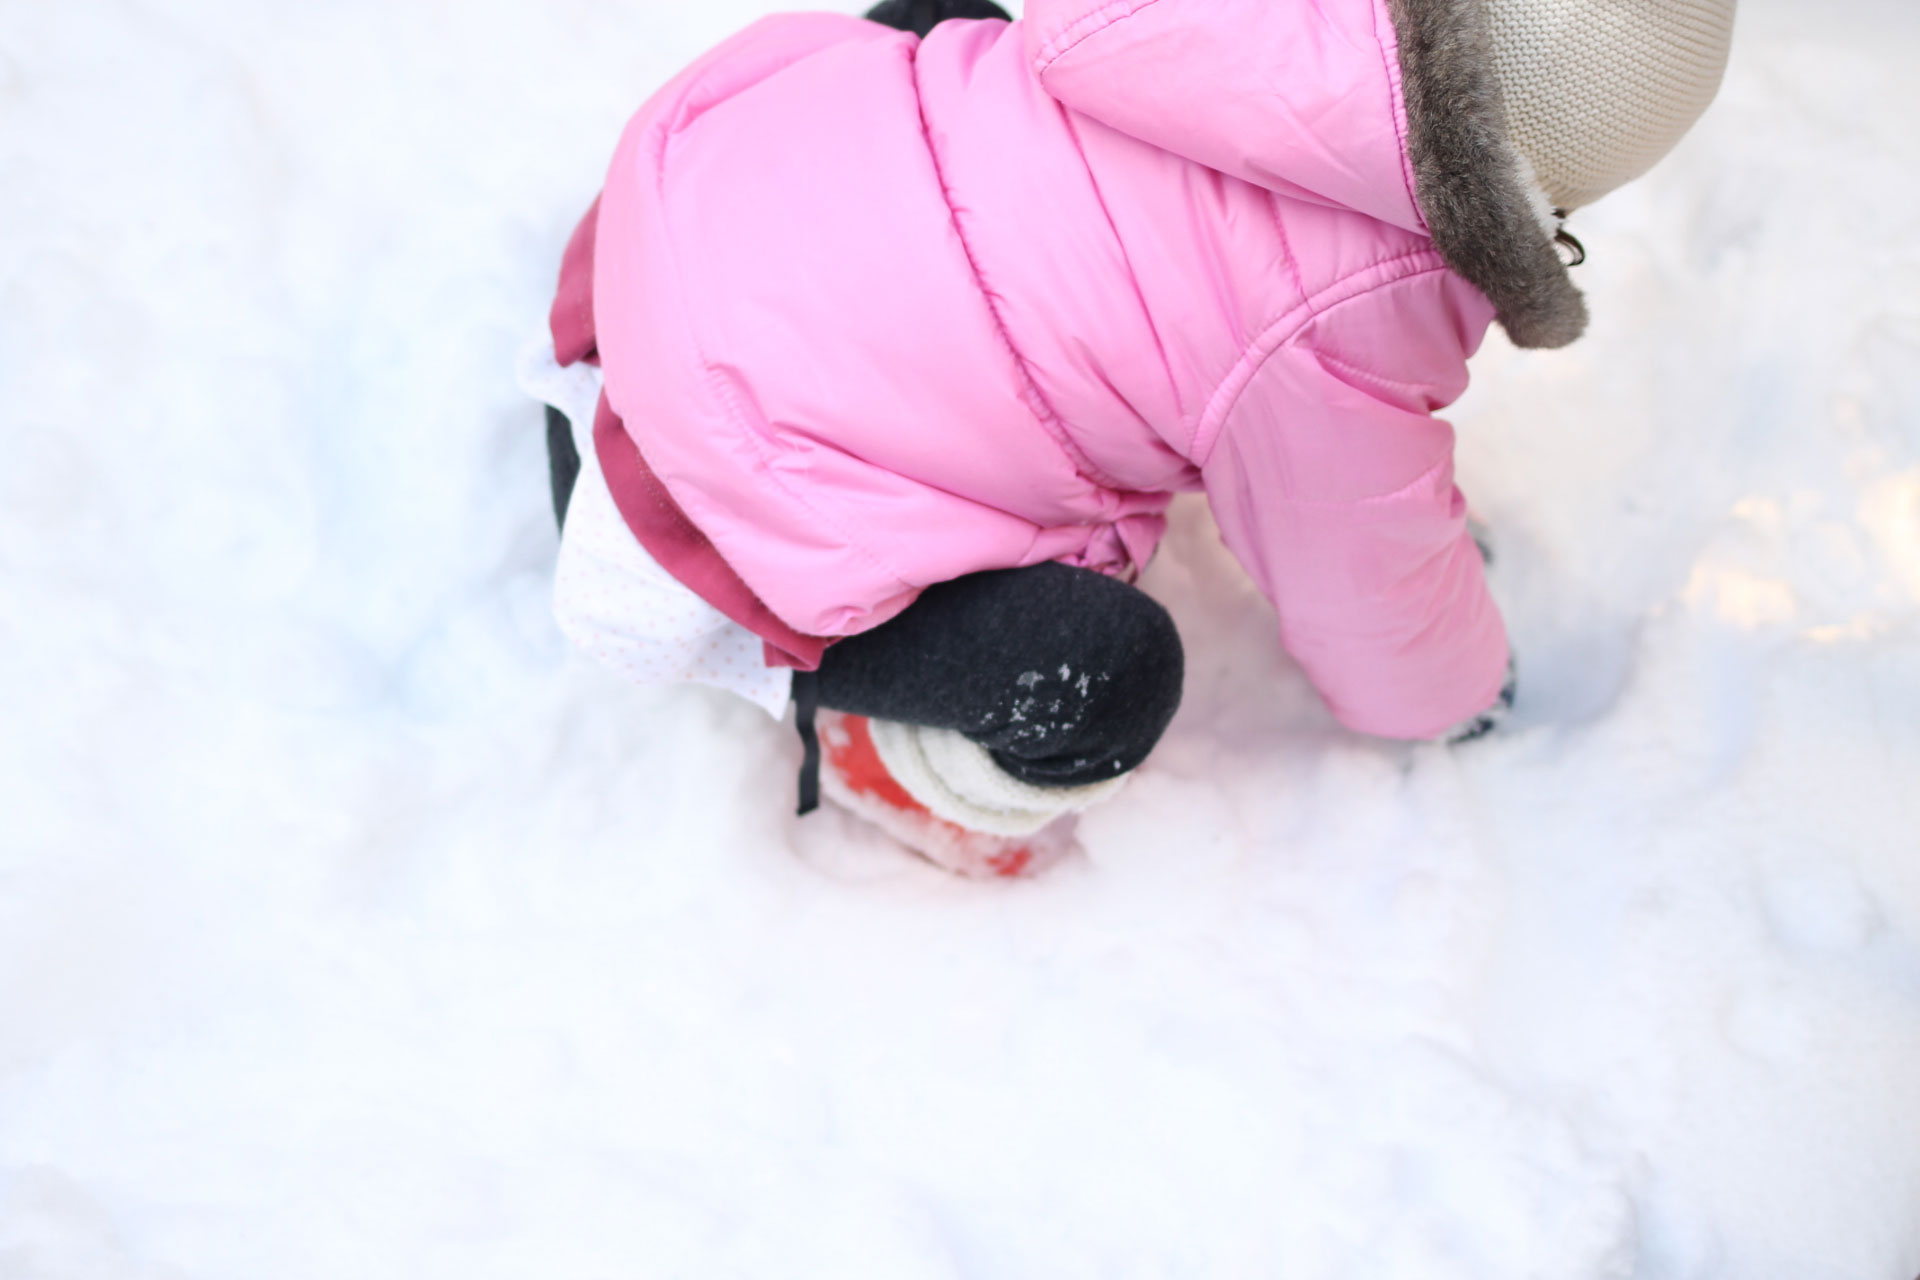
{"points": [[1489, 720]]}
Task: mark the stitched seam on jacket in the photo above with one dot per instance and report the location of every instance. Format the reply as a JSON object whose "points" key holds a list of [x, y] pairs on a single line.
{"points": [[1371, 500], [1133, 277], [1037, 403], [1397, 102], [1072, 35], [1359, 374], [1286, 244], [1282, 332], [1299, 289]]}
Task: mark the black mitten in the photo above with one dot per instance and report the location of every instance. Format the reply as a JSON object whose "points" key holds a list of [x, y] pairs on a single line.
{"points": [[1490, 719]]}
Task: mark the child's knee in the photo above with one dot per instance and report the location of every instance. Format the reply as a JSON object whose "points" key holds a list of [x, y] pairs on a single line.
{"points": [[1138, 668], [1100, 711]]}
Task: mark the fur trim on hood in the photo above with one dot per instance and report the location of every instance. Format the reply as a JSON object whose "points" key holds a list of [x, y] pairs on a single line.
{"points": [[1473, 184]]}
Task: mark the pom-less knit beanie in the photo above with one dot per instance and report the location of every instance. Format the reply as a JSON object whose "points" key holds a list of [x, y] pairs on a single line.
{"points": [[1597, 91]]}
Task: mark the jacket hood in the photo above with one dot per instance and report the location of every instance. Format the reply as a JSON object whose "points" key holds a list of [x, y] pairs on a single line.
{"points": [[1390, 108], [1474, 187]]}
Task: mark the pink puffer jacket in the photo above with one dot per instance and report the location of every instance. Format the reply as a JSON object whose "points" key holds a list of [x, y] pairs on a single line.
{"points": [[878, 312]]}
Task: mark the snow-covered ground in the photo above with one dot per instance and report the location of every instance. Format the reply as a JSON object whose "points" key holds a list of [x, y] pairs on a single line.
{"points": [[349, 927]]}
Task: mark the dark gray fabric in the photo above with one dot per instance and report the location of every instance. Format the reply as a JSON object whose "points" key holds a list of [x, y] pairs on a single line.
{"points": [[1467, 173], [1066, 676], [920, 16], [563, 462]]}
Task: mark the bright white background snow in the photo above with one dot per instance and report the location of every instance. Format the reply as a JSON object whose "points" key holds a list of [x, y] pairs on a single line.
{"points": [[351, 928]]}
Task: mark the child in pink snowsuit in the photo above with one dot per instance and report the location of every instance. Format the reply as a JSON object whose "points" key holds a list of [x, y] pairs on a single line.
{"points": [[906, 334]]}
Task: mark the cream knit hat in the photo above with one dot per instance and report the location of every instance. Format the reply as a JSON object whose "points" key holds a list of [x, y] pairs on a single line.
{"points": [[1597, 91]]}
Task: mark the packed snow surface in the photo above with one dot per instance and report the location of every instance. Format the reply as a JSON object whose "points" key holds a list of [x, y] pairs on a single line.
{"points": [[350, 927]]}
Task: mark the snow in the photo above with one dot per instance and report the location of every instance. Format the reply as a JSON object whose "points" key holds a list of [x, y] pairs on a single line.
{"points": [[349, 926]]}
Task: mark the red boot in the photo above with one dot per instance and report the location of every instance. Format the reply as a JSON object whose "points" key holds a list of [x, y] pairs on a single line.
{"points": [[854, 776]]}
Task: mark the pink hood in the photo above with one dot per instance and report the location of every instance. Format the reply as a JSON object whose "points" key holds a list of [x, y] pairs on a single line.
{"points": [[879, 312]]}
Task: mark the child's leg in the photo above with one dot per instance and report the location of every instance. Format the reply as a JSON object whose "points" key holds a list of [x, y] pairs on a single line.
{"points": [[920, 16], [1067, 677]]}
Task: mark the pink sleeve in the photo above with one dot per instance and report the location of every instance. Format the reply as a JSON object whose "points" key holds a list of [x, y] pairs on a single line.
{"points": [[1332, 483]]}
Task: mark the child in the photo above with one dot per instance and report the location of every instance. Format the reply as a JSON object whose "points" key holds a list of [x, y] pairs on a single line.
{"points": [[887, 344]]}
